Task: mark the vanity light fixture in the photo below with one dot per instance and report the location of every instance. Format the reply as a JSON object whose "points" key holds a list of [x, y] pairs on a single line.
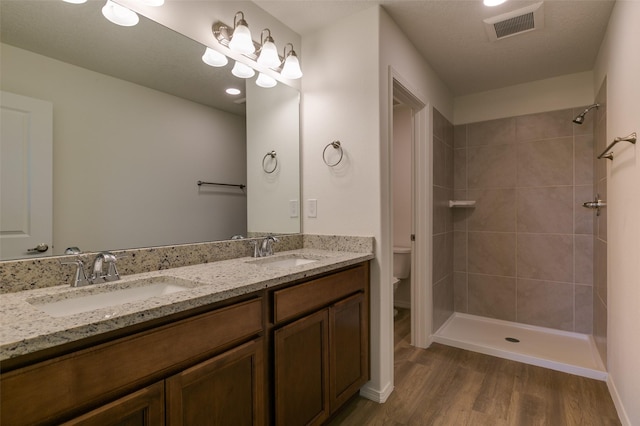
{"points": [[265, 81], [291, 68], [268, 51], [492, 3], [214, 58], [241, 40], [120, 15], [75, 1], [241, 70], [154, 3]]}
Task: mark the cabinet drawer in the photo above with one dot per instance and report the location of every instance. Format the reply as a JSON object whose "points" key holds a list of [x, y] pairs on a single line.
{"points": [[307, 297], [71, 383]]}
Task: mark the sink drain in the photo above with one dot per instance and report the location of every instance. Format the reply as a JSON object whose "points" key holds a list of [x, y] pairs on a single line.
{"points": [[512, 339]]}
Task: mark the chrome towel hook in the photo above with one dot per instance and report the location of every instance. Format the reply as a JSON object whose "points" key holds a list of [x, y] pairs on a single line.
{"points": [[271, 154], [335, 145]]}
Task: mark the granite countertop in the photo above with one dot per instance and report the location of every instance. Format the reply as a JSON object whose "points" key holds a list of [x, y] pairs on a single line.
{"points": [[25, 329]]}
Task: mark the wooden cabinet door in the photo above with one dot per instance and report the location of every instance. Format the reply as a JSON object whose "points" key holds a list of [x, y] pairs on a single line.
{"points": [[142, 408], [349, 348], [225, 390], [302, 371]]}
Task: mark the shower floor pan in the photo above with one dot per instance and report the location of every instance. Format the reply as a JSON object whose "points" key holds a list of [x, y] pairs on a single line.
{"points": [[568, 352]]}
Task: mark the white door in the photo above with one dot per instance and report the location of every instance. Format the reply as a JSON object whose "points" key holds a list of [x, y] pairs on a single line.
{"points": [[26, 172]]}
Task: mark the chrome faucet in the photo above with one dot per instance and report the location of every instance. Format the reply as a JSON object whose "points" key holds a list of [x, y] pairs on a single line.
{"points": [[80, 278], [265, 248], [97, 274]]}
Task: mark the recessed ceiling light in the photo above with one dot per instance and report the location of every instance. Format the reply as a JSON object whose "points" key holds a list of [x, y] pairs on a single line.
{"points": [[492, 3], [233, 91]]}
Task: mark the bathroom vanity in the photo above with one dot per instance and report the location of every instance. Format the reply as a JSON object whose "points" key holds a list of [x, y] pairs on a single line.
{"points": [[285, 344]]}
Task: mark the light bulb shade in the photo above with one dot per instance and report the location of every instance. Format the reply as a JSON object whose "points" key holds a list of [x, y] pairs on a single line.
{"points": [[155, 3], [241, 70], [291, 68], [492, 3], [214, 58], [265, 81], [75, 1], [269, 55], [119, 15], [241, 40]]}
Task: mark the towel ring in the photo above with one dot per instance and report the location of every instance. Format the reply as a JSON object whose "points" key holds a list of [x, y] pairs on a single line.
{"points": [[335, 145], [271, 154]]}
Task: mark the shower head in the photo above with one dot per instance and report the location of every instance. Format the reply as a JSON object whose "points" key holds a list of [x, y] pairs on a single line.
{"points": [[580, 118]]}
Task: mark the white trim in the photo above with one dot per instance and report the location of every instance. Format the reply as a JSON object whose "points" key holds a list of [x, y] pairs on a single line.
{"points": [[617, 401], [421, 297], [379, 396]]}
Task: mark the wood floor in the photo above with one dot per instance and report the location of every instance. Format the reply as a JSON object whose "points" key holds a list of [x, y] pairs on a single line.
{"points": [[443, 385]]}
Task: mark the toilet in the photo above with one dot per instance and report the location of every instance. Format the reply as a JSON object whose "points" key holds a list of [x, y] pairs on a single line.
{"points": [[401, 267]]}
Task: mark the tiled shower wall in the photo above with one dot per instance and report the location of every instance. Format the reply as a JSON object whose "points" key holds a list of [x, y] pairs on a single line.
{"points": [[525, 252], [442, 219], [600, 228]]}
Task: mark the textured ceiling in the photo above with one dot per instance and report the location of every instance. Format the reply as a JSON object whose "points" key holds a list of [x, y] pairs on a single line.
{"points": [[450, 35]]}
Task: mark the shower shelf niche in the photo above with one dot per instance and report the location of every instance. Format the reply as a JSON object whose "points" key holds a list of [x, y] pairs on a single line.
{"points": [[464, 204]]}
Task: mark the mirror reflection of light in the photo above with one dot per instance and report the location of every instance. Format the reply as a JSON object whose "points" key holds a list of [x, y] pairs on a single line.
{"points": [[152, 2], [120, 15], [266, 81], [241, 70], [214, 58], [491, 3], [233, 91]]}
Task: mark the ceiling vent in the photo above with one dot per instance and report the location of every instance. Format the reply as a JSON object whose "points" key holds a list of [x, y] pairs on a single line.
{"points": [[517, 22]]}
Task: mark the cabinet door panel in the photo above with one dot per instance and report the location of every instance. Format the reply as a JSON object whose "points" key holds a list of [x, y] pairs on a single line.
{"points": [[225, 390], [142, 408], [349, 348], [301, 371]]}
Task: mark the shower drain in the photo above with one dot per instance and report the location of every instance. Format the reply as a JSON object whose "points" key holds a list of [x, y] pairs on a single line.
{"points": [[512, 339]]}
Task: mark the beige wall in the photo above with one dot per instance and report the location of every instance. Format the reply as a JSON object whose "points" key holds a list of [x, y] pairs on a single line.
{"points": [[566, 91], [127, 159], [618, 61]]}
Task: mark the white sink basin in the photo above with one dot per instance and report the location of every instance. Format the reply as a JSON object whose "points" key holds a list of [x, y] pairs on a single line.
{"points": [[85, 300], [284, 261]]}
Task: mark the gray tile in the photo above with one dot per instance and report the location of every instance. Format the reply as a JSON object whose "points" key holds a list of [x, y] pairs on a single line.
{"points": [[544, 125], [492, 253], [442, 301], [583, 258], [460, 136], [600, 328], [441, 209], [460, 216], [491, 166], [460, 251], [545, 210], [460, 294], [600, 143], [439, 163], [442, 256], [495, 210], [545, 304], [492, 296], [600, 270], [438, 124], [583, 309], [493, 132], [545, 257], [601, 221], [545, 163], [584, 156], [583, 217], [460, 169]]}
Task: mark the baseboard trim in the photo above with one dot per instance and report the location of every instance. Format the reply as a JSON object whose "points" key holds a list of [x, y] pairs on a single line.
{"points": [[622, 413], [375, 395]]}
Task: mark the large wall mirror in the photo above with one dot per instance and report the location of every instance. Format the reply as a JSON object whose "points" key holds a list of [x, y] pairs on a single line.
{"points": [[137, 120]]}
